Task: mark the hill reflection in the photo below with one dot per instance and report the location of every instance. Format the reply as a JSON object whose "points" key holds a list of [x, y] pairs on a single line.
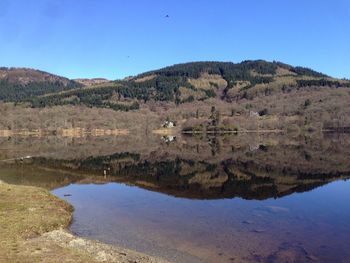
{"points": [[245, 166]]}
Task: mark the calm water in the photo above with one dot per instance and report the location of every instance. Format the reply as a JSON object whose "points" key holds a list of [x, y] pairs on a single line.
{"points": [[308, 227], [237, 199]]}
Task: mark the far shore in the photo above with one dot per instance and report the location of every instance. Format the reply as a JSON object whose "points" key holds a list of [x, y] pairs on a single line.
{"points": [[73, 132], [81, 132]]}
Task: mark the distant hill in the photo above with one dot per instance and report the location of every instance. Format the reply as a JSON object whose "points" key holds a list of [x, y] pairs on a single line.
{"points": [[182, 83], [198, 97], [18, 84], [179, 84]]}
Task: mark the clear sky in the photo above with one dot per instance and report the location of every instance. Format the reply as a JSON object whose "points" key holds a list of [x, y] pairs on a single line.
{"points": [[117, 38]]}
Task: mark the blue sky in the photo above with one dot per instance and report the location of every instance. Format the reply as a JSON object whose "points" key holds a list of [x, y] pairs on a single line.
{"points": [[117, 38]]}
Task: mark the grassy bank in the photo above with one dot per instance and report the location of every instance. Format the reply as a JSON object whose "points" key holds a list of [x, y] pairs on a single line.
{"points": [[32, 224]]}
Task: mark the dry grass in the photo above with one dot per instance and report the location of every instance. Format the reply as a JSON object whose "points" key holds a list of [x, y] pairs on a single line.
{"points": [[208, 81], [273, 87], [92, 82], [146, 78], [27, 212], [186, 93], [31, 222], [283, 72]]}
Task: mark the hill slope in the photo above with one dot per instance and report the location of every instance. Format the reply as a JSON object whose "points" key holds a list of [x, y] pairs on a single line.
{"points": [[17, 84], [197, 81], [200, 96]]}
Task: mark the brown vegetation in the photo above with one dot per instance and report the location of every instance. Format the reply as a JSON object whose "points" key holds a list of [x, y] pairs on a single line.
{"points": [[252, 95], [92, 82], [305, 109], [31, 223], [24, 76]]}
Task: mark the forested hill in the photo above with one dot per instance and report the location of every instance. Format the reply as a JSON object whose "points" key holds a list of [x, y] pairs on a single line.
{"points": [[18, 84], [182, 83]]}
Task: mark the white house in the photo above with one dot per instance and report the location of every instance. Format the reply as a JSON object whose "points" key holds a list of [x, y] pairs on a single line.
{"points": [[168, 124]]}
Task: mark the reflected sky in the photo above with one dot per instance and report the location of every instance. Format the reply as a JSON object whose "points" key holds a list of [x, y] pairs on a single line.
{"points": [[312, 226]]}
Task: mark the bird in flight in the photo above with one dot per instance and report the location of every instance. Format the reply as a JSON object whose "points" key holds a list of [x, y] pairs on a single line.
{"points": [[167, 16]]}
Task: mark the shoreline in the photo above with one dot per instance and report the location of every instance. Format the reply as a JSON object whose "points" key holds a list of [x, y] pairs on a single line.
{"points": [[79, 133], [34, 228], [73, 132]]}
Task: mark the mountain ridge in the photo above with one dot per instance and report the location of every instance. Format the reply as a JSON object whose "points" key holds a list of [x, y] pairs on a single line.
{"points": [[202, 96], [188, 82]]}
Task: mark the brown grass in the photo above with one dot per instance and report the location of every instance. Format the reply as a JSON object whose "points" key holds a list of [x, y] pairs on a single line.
{"points": [[30, 223], [27, 212], [186, 93], [206, 81], [143, 79]]}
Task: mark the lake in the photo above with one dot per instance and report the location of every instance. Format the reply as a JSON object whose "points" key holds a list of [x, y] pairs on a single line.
{"points": [[234, 198]]}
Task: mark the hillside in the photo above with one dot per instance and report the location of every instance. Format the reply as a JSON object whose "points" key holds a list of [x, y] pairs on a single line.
{"points": [[199, 96], [18, 84], [198, 81]]}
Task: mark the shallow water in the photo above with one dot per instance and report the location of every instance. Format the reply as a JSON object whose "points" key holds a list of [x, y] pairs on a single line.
{"points": [[308, 226], [235, 199]]}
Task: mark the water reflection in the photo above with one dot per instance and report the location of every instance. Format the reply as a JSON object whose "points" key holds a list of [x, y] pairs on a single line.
{"points": [[243, 198], [210, 168]]}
